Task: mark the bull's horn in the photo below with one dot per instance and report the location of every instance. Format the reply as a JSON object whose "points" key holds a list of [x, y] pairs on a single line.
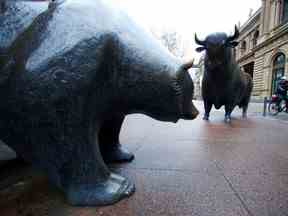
{"points": [[187, 65], [235, 36], [199, 42]]}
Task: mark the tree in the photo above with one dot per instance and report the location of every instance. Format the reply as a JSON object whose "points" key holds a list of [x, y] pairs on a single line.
{"points": [[172, 41]]}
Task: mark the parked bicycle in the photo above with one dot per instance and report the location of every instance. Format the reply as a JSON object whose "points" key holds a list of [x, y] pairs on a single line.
{"points": [[279, 101], [278, 104]]}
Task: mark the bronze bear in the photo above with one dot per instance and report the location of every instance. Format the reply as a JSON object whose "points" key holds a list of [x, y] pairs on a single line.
{"points": [[69, 75]]}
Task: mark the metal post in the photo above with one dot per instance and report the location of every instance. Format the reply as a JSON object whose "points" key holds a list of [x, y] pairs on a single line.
{"points": [[265, 106]]}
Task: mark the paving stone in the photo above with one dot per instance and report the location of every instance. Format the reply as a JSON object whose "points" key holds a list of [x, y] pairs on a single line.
{"points": [[158, 193], [188, 168]]}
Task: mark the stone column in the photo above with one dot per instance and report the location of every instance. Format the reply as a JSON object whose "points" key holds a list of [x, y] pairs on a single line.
{"points": [[267, 16], [261, 29], [278, 12], [272, 15], [263, 22], [267, 72]]}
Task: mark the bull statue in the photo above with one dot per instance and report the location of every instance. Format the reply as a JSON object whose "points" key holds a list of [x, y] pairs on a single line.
{"points": [[69, 74], [223, 82]]}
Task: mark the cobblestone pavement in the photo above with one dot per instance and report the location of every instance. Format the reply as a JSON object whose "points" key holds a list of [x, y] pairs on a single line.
{"points": [[255, 109], [190, 168]]}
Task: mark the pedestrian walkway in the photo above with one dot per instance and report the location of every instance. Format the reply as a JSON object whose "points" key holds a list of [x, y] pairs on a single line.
{"points": [[189, 168]]}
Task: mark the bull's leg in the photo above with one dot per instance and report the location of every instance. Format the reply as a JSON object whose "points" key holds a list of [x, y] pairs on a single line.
{"points": [[244, 111], [228, 111], [207, 107], [85, 178], [110, 147], [245, 104]]}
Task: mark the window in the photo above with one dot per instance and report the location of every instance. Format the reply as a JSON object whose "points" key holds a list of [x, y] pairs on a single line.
{"points": [[278, 70], [255, 38], [243, 47], [285, 11]]}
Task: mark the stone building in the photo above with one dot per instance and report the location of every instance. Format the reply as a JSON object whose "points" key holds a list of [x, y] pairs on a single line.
{"points": [[263, 46]]}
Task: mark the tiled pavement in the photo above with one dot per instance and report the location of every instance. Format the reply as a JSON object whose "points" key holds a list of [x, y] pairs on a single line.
{"points": [[189, 168]]}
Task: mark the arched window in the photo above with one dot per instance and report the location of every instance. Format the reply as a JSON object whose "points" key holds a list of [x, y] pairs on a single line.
{"points": [[278, 70], [255, 38], [243, 47], [284, 11]]}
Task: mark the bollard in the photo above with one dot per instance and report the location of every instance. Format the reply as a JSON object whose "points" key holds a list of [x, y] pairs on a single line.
{"points": [[265, 106]]}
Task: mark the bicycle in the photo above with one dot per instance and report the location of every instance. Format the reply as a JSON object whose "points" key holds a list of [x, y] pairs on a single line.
{"points": [[277, 104]]}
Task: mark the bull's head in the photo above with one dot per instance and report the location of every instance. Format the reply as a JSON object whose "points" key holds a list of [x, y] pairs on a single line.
{"points": [[217, 45]]}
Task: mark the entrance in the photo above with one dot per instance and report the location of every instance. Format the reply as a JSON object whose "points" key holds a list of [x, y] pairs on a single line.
{"points": [[249, 68]]}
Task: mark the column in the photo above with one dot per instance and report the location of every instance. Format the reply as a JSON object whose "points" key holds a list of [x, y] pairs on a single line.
{"points": [[278, 12], [262, 28]]}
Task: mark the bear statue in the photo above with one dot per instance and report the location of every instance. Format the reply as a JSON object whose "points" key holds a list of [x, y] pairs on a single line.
{"points": [[69, 73]]}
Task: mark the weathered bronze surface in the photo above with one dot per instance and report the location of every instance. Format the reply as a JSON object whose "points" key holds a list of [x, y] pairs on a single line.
{"points": [[68, 76], [223, 82]]}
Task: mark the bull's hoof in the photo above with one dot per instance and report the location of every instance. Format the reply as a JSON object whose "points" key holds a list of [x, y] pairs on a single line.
{"points": [[244, 115], [206, 118], [117, 155], [227, 119], [109, 192]]}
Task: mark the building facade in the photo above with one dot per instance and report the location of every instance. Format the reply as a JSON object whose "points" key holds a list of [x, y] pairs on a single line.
{"points": [[263, 46]]}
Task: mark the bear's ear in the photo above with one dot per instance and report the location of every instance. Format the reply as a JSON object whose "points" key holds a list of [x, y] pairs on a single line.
{"points": [[200, 49]]}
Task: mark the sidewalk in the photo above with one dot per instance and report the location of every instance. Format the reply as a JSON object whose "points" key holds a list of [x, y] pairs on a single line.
{"points": [[190, 168]]}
